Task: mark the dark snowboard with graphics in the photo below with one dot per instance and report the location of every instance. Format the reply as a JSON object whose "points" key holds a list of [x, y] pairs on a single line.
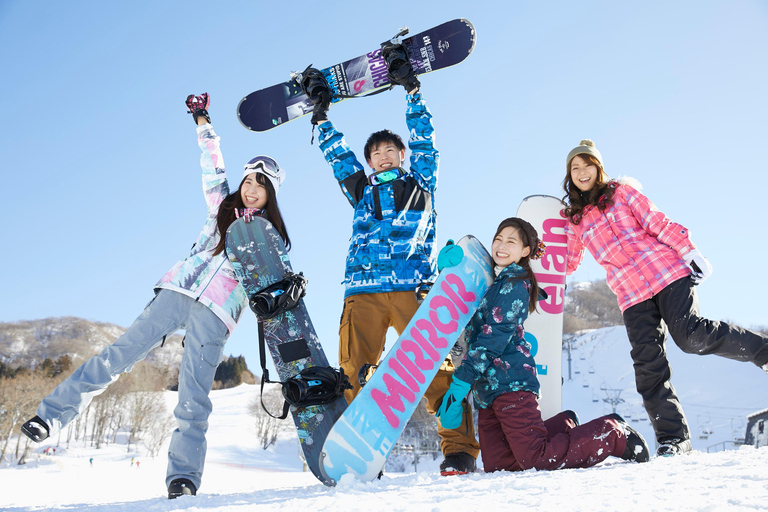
{"points": [[433, 49], [260, 259]]}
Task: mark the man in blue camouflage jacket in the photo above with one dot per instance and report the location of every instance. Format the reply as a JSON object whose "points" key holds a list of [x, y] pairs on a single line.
{"points": [[391, 251]]}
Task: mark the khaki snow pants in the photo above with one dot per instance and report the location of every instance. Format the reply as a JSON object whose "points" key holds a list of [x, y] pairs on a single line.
{"points": [[362, 336]]}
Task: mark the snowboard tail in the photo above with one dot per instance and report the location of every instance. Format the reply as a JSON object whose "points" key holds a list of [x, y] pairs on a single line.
{"points": [[259, 258], [437, 48], [362, 438]]}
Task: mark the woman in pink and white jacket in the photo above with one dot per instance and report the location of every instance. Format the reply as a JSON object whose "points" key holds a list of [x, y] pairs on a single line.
{"points": [[652, 266], [200, 294]]}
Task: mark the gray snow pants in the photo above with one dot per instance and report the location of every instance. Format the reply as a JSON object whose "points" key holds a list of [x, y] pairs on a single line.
{"points": [[168, 312], [677, 307]]}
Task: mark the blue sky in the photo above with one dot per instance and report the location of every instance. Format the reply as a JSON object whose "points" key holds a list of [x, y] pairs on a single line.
{"points": [[101, 179]]}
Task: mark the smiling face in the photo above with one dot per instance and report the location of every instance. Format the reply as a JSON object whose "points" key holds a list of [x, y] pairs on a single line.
{"points": [[508, 247], [253, 193], [584, 174], [385, 156]]}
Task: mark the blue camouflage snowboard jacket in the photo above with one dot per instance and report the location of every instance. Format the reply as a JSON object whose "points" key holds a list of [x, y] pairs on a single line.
{"points": [[498, 358], [393, 230]]}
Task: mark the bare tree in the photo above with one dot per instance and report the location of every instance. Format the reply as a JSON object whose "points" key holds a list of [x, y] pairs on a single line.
{"points": [[19, 397], [268, 428]]}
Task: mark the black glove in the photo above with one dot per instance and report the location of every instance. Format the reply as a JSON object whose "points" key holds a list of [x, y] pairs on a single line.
{"points": [[399, 69], [198, 106], [315, 86], [323, 103]]}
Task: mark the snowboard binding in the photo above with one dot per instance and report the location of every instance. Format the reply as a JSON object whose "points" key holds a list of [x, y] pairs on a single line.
{"points": [[399, 68], [365, 373], [279, 297], [315, 86], [316, 385]]}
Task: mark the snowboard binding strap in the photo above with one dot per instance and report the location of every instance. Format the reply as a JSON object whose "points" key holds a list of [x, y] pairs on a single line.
{"points": [[279, 297], [313, 83], [365, 372], [316, 385]]}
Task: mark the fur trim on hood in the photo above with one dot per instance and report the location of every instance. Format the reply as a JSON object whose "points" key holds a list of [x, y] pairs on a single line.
{"points": [[632, 182]]}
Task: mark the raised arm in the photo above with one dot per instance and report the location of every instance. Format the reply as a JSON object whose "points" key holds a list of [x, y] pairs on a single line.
{"points": [[424, 156], [215, 185]]}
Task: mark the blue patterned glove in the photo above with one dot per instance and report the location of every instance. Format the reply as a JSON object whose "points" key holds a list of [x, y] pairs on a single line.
{"points": [[449, 256], [451, 410]]}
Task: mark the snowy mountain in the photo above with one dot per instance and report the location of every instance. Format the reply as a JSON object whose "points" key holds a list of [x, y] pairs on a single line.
{"points": [[240, 475], [28, 342]]}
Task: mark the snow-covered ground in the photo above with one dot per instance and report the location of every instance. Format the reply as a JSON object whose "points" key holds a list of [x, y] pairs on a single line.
{"points": [[239, 476]]}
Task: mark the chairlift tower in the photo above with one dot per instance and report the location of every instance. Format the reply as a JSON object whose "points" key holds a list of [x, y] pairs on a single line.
{"points": [[613, 397]]}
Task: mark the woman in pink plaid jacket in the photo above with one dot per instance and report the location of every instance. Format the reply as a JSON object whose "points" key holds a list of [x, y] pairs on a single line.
{"points": [[652, 266]]}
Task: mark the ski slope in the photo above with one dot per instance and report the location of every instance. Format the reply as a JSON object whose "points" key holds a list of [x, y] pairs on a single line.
{"points": [[239, 476]]}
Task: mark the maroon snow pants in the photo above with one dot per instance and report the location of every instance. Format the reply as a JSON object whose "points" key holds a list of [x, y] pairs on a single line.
{"points": [[513, 437]]}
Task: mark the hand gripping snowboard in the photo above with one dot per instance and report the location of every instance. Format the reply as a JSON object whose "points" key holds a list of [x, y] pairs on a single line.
{"points": [[544, 328], [363, 436], [259, 258], [433, 49]]}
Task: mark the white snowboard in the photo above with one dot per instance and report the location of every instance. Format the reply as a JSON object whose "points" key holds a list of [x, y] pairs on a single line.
{"points": [[544, 328]]}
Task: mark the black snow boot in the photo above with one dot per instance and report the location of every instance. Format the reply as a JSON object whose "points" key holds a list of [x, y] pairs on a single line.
{"points": [[574, 416], [673, 446], [637, 449], [457, 464], [36, 429], [181, 487]]}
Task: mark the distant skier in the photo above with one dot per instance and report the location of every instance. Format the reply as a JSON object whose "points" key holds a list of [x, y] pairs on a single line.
{"points": [[501, 372], [391, 249], [652, 267], [200, 294]]}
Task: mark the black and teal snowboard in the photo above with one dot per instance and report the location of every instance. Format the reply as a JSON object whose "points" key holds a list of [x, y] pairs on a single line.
{"points": [[433, 49], [260, 259]]}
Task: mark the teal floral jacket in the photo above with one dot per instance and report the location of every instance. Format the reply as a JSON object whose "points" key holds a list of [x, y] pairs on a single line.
{"points": [[498, 358]]}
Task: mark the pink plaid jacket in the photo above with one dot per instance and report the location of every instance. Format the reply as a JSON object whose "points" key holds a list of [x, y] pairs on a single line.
{"points": [[638, 246]]}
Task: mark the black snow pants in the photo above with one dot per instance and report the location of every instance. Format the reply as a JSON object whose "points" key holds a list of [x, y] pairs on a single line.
{"points": [[676, 308]]}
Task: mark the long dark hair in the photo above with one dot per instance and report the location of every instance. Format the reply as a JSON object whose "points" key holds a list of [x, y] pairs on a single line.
{"points": [[601, 195], [529, 238], [234, 201]]}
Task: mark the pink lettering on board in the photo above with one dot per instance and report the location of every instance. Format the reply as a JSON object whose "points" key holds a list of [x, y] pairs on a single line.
{"points": [[555, 301], [437, 302], [423, 348], [461, 296], [554, 262], [397, 393], [404, 375], [434, 339], [549, 236], [410, 365]]}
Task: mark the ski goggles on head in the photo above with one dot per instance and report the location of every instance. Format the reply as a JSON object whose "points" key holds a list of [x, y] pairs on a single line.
{"points": [[263, 164], [386, 176], [268, 167]]}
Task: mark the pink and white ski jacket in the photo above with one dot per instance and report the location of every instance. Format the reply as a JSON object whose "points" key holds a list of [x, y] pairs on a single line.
{"points": [[638, 246], [209, 279]]}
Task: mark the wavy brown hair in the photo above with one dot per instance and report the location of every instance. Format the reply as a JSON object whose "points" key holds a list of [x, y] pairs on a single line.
{"points": [[234, 201], [529, 238], [601, 195]]}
